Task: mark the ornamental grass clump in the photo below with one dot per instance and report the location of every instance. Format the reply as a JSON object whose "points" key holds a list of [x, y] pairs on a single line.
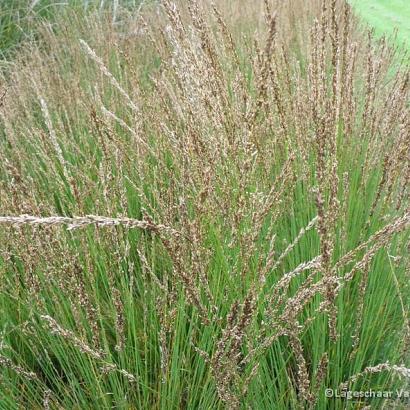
{"points": [[204, 208]]}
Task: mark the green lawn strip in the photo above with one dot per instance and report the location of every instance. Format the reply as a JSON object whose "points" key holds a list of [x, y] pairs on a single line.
{"points": [[386, 16]]}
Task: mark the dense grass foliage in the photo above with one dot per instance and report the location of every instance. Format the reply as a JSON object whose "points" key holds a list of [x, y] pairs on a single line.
{"points": [[204, 207], [19, 19]]}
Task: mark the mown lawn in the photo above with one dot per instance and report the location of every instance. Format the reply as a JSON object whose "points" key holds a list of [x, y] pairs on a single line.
{"points": [[386, 16]]}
